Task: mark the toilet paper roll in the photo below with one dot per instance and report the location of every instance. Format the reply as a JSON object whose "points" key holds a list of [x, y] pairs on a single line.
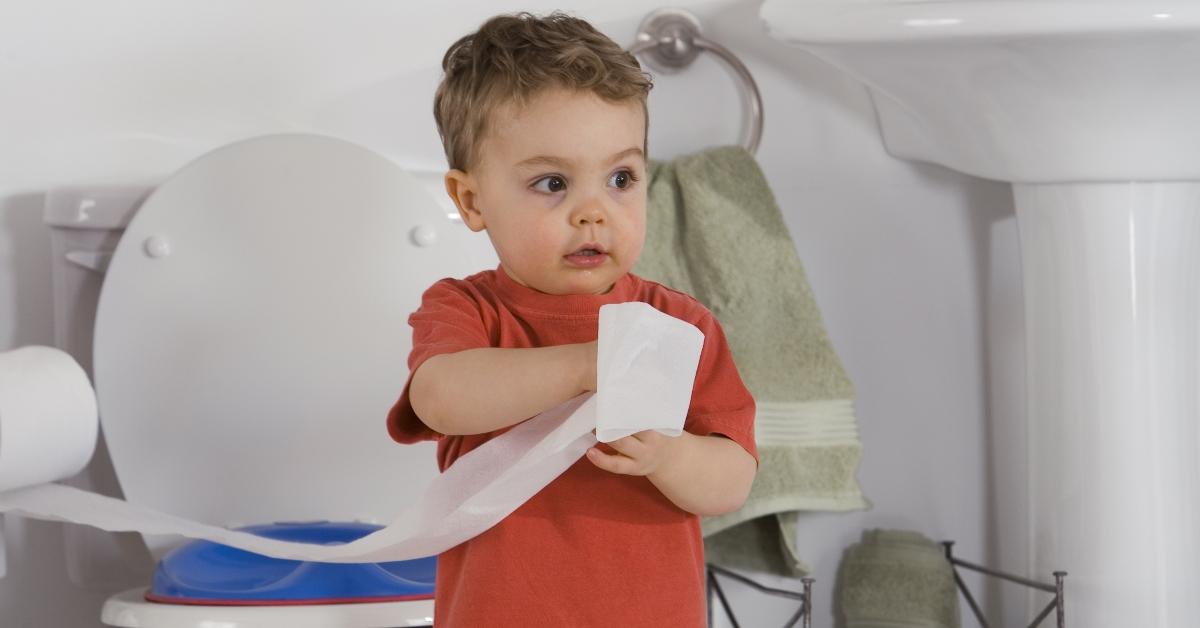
{"points": [[48, 419], [657, 362]]}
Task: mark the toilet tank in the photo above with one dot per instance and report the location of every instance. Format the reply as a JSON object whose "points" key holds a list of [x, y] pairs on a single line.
{"points": [[85, 225]]}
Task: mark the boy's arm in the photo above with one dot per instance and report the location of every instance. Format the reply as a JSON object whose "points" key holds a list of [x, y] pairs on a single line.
{"points": [[481, 390], [704, 475]]}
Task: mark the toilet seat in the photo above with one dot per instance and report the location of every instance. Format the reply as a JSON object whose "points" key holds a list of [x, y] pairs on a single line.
{"points": [[251, 336], [211, 574]]}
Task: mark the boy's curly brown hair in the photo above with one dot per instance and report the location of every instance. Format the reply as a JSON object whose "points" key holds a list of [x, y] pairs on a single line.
{"points": [[513, 57]]}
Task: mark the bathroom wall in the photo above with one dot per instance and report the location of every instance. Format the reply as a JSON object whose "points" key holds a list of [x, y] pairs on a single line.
{"points": [[915, 267]]}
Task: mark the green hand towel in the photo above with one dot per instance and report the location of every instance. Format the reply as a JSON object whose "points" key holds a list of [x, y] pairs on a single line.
{"points": [[897, 579], [713, 230]]}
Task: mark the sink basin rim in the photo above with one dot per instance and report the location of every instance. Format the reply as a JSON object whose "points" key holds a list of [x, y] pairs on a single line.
{"points": [[867, 21]]}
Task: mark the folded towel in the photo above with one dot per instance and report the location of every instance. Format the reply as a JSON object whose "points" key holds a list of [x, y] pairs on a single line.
{"points": [[897, 579], [714, 231]]}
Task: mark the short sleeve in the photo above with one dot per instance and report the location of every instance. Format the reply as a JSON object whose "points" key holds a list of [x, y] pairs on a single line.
{"points": [[721, 403], [449, 320]]}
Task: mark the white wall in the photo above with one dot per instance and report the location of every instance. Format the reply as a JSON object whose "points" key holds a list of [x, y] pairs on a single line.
{"points": [[915, 267]]}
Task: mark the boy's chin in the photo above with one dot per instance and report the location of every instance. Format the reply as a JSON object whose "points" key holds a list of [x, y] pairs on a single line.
{"points": [[600, 283], [563, 281]]}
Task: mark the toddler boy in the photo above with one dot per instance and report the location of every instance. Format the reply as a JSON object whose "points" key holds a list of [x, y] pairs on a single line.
{"points": [[544, 125]]}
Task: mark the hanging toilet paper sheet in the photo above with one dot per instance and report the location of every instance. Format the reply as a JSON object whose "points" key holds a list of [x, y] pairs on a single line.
{"points": [[646, 364]]}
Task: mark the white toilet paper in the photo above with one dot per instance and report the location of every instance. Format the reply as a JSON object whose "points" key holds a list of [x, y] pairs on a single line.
{"points": [[645, 369], [639, 369], [48, 420]]}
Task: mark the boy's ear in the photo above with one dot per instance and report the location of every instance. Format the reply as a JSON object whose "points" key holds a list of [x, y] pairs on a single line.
{"points": [[462, 190]]}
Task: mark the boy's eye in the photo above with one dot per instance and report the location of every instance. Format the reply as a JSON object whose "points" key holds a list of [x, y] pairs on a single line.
{"points": [[622, 179], [553, 184]]}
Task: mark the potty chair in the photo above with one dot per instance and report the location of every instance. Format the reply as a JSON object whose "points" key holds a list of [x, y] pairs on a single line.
{"points": [[250, 334]]}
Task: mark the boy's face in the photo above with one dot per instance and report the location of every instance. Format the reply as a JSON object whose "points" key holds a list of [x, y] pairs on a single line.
{"points": [[560, 188]]}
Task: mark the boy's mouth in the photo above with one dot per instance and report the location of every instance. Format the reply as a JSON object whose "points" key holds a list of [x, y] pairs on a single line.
{"points": [[589, 255]]}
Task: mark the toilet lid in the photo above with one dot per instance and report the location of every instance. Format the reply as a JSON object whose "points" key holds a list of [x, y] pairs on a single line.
{"points": [[252, 333]]}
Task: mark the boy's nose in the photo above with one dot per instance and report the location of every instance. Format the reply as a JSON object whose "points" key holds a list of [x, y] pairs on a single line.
{"points": [[590, 213]]}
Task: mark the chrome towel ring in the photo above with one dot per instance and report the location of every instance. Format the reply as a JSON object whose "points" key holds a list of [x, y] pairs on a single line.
{"points": [[671, 37]]}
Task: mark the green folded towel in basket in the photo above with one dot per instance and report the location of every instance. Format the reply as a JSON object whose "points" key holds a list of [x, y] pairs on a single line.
{"points": [[714, 231], [897, 579]]}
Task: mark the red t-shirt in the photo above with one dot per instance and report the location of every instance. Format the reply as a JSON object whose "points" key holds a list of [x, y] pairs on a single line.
{"points": [[592, 548]]}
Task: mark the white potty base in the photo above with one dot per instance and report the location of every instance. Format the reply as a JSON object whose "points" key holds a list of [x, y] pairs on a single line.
{"points": [[130, 609]]}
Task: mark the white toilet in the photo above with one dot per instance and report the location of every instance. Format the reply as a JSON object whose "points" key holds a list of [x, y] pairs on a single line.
{"points": [[250, 335]]}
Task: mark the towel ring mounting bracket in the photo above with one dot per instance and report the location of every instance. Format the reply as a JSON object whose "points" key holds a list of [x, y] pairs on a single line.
{"points": [[671, 41]]}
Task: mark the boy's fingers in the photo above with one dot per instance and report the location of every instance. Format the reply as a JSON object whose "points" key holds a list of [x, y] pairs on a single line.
{"points": [[649, 437], [629, 445], [613, 463]]}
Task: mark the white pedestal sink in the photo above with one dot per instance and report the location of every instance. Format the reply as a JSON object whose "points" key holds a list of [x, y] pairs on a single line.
{"points": [[1092, 110]]}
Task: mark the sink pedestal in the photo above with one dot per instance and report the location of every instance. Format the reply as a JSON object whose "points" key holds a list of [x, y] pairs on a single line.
{"points": [[1112, 307], [1089, 108]]}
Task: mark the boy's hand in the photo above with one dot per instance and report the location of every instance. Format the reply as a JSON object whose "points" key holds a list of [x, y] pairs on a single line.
{"points": [[642, 453], [704, 475]]}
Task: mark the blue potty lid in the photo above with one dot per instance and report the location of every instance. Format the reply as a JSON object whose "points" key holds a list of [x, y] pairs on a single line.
{"points": [[208, 573]]}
